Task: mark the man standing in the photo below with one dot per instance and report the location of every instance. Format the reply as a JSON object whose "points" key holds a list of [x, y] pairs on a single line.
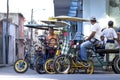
{"points": [[111, 36], [93, 37]]}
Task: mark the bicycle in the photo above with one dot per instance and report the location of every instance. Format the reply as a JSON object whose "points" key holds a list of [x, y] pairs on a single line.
{"points": [[21, 65], [48, 66], [68, 62], [111, 65], [42, 63]]}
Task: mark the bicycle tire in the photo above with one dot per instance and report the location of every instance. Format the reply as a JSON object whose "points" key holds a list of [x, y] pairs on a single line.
{"points": [[62, 64], [20, 66], [90, 68], [39, 64], [116, 64], [48, 66]]}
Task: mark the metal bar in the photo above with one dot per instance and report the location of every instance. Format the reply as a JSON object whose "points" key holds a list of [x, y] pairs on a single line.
{"points": [[7, 43]]}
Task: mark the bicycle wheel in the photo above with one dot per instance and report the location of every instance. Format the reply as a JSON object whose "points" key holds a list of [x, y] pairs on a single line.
{"points": [[116, 65], [62, 64], [40, 65], [20, 66], [90, 68], [49, 66]]}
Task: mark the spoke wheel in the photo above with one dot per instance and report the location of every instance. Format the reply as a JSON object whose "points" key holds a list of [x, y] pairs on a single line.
{"points": [[62, 64], [40, 65], [49, 66], [90, 68], [20, 66]]}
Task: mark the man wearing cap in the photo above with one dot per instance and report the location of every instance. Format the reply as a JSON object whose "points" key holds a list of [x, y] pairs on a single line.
{"points": [[92, 38]]}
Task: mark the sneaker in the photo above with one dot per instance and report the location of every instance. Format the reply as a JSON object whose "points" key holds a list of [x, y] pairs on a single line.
{"points": [[83, 63]]}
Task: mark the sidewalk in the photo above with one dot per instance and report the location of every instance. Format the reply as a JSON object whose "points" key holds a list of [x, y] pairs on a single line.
{"points": [[9, 70]]}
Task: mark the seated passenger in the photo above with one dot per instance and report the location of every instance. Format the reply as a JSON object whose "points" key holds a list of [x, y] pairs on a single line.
{"points": [[101, 45], [52, 40], [111, 37]]}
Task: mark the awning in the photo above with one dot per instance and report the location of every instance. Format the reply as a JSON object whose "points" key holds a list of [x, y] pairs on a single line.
{"points": [[57, 23], [42, 27], [69, 18], [38, 26]]}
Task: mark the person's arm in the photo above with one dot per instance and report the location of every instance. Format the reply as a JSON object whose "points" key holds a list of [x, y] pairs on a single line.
{"points": [[118, 33], [57, 39], [116, 36], [117, 40], [94, 29], [91, 35], [47, 40]]}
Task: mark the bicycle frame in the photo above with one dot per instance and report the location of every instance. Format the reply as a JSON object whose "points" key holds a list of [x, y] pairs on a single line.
{"points": [[73, 55], [70, 64], [93, 54]]}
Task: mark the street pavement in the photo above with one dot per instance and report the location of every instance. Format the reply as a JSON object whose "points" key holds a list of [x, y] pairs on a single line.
{"points": [[8, 73]]}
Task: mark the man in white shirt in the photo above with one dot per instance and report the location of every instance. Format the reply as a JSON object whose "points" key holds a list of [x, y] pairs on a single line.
{"points": [[111, 36], [94, 36]]}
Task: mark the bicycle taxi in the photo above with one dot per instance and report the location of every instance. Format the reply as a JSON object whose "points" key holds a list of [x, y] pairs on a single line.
{"points": [[30, 58], [66, 63], [48, 66]]}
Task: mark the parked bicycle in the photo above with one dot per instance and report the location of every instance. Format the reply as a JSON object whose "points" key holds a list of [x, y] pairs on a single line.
{"points": [[21, 65], [45, 60], [48, 66]]}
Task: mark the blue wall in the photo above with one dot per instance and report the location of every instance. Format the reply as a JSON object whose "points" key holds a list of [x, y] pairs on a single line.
{"points": [[75, 10]]}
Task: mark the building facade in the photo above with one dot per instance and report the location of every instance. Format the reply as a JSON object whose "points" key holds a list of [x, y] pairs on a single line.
{"points": [[15, 37], [103, 10]]}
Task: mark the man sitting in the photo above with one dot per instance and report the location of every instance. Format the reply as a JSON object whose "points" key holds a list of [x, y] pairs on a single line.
{"points": [[101, 45], [52, 40]]}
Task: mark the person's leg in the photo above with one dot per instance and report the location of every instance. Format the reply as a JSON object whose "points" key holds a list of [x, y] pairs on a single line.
{"points": [[108, 57], [83, 52], [44, 56]]}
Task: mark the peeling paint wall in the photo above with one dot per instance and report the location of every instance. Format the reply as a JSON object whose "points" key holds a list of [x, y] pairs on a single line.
{"points": [[18, 20]]}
